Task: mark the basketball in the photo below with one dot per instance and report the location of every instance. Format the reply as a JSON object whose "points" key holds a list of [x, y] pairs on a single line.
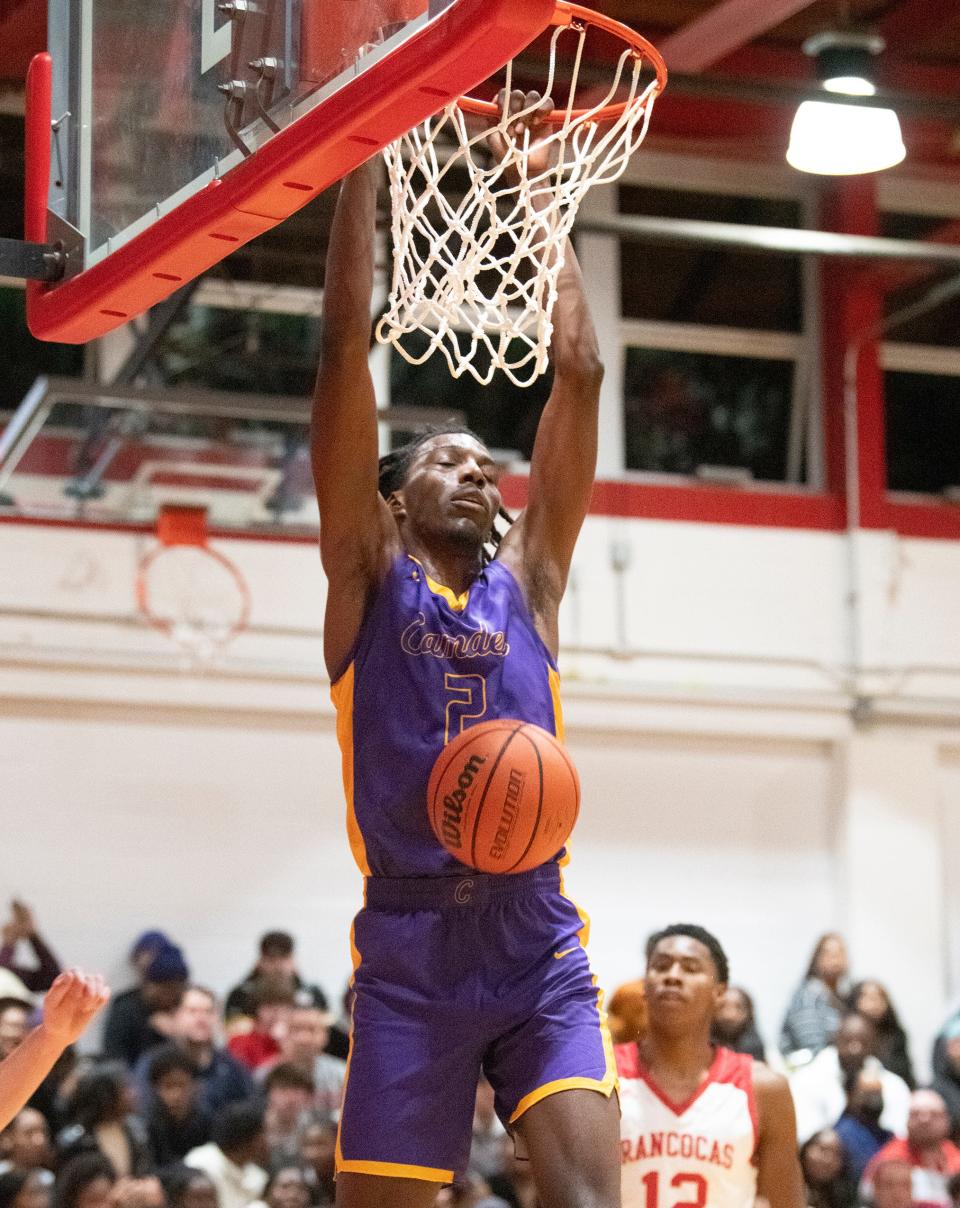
{"points": [[503, 796]]}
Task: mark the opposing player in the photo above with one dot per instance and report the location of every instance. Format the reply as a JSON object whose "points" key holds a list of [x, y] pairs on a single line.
{"points": [[433, 623], [69, 1005], [701, 1126]]}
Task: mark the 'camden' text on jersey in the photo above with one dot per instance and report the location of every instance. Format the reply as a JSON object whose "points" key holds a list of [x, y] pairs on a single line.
{"points": [[417, 639]]}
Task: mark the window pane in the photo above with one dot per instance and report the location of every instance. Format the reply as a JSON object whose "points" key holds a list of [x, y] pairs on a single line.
{"points": [[716, 285], [685, 410], [923, 432], [256, 352], [503, 415]]}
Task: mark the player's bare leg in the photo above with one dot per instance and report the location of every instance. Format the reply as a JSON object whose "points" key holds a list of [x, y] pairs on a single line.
{"points": [[378, 1191], [573, 1141]]}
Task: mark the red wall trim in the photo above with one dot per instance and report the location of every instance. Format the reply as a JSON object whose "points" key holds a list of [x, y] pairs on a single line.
{"points": [[703, 504], [640, 501], [918, 518]]}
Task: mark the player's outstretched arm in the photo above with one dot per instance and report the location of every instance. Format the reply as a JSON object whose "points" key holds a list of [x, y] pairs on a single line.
{"points": [[69, 1005], [779, 1180], [540, 546], [354, 523], [564, 457]]}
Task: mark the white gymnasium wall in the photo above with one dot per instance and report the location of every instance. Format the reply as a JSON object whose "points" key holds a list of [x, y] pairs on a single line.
{"points": [[736, 834], [213, 826], [727, 777], [949, 777]]}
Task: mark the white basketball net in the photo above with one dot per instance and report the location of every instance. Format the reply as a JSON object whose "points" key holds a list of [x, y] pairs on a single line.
{"points": [[509, 228]]}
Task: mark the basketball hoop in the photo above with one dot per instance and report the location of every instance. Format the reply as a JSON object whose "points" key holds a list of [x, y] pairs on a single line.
{"points": [[188, 591], [511, 225]]}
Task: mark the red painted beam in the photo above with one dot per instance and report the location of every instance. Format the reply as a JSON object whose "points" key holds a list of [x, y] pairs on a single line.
{"points": [[854, 308], [23, 33], [723, 29], [911, 23]]}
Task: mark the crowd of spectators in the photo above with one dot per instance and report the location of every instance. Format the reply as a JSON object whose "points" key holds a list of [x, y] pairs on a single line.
{"points": [[190, 1104]]}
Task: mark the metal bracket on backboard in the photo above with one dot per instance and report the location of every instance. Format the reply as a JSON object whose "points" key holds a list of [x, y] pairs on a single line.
{"points": [[69, 241], [31, 261]]}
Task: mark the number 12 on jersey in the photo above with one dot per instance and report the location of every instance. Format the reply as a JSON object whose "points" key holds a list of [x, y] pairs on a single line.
{"points": [[691, 1191]]}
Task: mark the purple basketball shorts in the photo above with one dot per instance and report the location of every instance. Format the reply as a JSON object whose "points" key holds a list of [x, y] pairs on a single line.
{"points": [[458, 975]]}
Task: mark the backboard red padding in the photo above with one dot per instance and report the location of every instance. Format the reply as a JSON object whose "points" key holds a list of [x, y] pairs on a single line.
{"points": [[461, 48]]}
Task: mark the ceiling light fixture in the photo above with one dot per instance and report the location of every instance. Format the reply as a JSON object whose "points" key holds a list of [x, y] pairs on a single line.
{"points": [[835, 139]]}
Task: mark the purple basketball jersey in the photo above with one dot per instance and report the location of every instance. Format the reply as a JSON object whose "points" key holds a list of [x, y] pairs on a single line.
{"points": [[426, 666]]}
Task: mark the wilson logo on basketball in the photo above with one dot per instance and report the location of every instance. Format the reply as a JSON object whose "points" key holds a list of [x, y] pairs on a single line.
{"points": [[503, 796], [509, 815], [453, 803]]}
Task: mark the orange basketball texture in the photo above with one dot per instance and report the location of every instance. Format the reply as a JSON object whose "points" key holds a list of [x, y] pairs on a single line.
{"points": [[503, 796]]}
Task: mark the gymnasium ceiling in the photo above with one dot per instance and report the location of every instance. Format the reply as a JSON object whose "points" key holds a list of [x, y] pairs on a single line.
{"points": [[715, 49], [726, 41]]}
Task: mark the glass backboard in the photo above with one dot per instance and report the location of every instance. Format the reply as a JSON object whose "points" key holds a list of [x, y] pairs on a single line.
{"points": [[182, 128]]}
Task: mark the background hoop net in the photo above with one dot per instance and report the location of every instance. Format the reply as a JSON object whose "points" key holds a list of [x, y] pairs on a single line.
{"points": [[190, 592], [488, 264]]}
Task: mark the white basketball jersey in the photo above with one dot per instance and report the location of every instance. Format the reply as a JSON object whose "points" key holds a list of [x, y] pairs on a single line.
{"points": [[698, 1154]]}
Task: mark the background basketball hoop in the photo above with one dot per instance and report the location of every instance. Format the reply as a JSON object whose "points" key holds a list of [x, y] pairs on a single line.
{"points": [[488, 264], [190, 592]]}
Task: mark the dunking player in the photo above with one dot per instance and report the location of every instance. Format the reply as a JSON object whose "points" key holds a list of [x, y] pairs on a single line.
{"points": [[701, 1125], [453, 973]]}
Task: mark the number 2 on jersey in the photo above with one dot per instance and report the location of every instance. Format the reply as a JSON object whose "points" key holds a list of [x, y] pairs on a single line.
{"points": [[694, 1184], [466, 699]]}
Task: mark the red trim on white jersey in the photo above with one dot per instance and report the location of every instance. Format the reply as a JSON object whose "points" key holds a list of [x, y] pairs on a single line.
{"points": [[697, 1154]]}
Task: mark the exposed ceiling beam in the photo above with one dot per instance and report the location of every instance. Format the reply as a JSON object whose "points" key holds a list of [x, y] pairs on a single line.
{"points": [[723, 29]]}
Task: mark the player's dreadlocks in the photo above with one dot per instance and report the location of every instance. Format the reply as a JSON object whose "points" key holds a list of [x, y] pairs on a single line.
{"points": [[395, 465]]}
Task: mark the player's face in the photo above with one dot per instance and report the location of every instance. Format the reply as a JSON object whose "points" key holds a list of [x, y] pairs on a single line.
{"points": [[451, 489], [681, 984]]}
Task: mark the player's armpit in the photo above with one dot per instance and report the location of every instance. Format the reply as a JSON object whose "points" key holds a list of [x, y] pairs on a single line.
{"points": [[779, 1180]]}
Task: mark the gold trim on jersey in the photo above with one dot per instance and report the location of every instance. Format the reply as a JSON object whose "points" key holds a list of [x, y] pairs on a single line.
{"points": [[457, 603], [341, 693]]}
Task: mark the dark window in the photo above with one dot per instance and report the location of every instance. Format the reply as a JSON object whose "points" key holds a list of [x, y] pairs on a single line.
{"points": [[715, 285], [923, 432], [503, 415], [909, 283], [255, 352], [689, 410]]}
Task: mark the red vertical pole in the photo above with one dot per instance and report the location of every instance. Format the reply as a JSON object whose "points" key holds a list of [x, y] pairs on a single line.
{"points": [[852, 314], [37, 148], [36, 187]]}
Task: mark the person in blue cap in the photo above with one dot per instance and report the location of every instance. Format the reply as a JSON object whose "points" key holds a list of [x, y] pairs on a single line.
{"points": [[140, 1018]]}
